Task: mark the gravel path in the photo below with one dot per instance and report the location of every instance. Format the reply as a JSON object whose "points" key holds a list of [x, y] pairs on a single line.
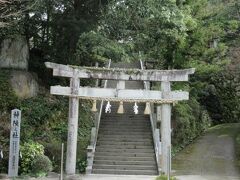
{"points": [[212, 156]]}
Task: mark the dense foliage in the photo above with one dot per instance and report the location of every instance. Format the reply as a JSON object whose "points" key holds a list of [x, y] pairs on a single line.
{"points": [[189, 121], [29, 152], [43, 128], [155, 29], [41, 165], [170, 34]]}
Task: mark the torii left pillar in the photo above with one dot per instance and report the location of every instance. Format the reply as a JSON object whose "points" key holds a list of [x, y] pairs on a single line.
{"points": [[72, 126], [166, 130]]}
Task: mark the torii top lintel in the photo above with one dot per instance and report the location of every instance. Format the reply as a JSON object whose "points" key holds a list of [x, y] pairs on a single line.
{"points": [[119, 74]]}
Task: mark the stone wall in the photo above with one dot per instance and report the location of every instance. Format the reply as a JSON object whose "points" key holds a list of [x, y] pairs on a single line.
{"points": [[14, 53], [24, 84]]}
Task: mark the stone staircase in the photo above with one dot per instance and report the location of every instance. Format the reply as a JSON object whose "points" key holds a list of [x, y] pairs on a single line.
{"points": [[124, 143]]}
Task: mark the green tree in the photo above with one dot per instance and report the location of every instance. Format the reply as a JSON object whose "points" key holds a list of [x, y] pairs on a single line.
{"points": [[11, 11], [154, 28]]}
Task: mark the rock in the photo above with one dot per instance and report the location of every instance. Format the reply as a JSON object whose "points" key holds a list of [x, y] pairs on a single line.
{"points": [[72, 177], [4, 176], [24, 84], [53, 175], [14, 53]]}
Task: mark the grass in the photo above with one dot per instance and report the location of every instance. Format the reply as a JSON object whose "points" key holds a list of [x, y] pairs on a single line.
{"points": [[231, 129], [163, 177]]}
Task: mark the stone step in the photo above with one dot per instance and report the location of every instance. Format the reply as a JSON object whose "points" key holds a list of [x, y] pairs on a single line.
{"points": [[125, 133], [127, 172], [128, 116], [124, 167], [110, 162], [125, 136], [100, 149], [125, 130], [127, 104], [124, 140], [132, 126], [125, 119], [120, 116], [139, 143], [126, 111], [131, 118], [124, 154], [128, 139], [127, 107], [122, 130], [129, 122], [146, 129], [123, 158], [129, 146], [126, 126]]}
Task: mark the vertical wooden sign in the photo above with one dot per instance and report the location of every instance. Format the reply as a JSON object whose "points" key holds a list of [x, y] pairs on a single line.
{"points": [[14, 143]]}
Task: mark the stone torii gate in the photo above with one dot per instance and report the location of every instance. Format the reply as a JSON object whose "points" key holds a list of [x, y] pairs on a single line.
{"points": [[76, 92]]}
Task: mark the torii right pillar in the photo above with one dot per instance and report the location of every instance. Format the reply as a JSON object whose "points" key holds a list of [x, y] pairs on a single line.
{"points": [[166, 130]]}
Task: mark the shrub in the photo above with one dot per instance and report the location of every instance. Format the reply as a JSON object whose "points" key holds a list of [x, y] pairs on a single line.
{"points": [[8, 101], [221, 98], [53, 151], [42, 113], [29, 151], [41, 165], [81, 165], [189, 121]]}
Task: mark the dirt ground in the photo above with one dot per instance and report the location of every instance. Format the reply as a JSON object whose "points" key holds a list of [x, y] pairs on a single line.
{"points": [[212, 155]]}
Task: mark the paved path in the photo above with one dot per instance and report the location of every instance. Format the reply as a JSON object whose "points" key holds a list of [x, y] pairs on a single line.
{"points": [[133, 177], [117, 177], [197, 177], [212, 156], [129, 177], [188, 177]]}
